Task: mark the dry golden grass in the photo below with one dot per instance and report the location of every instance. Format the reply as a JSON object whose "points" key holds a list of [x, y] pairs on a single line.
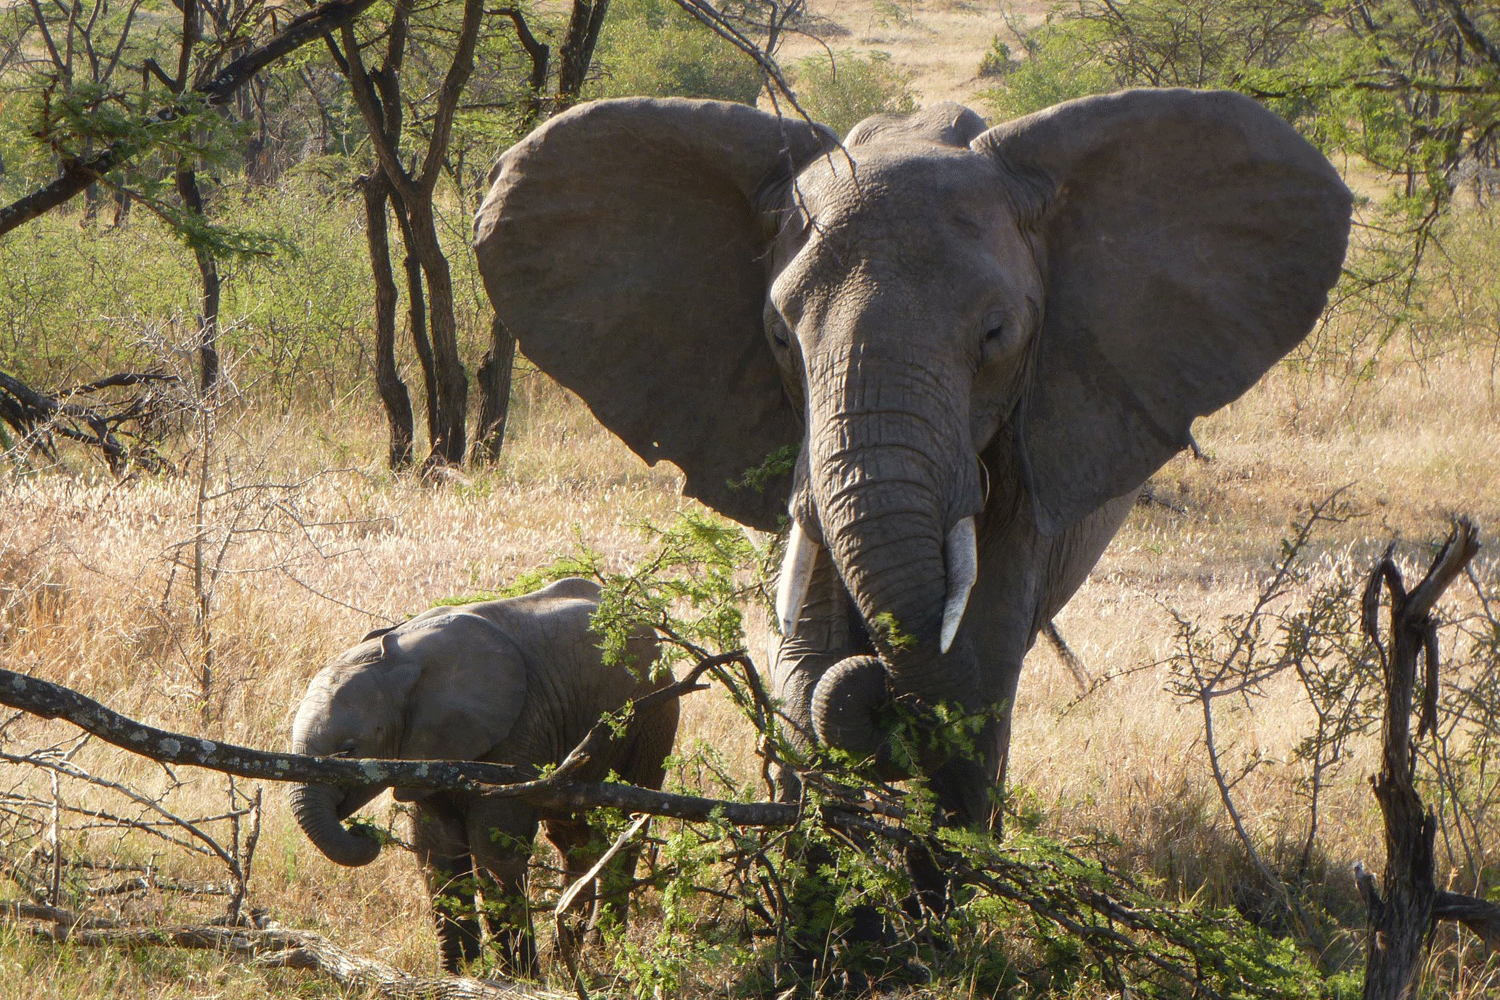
{"points": [[939, 42], [96, 592], [95, 595]]}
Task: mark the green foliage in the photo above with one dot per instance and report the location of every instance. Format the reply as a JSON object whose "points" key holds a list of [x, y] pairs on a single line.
{"points": [[844, 90], [1057, 68], [654, 48], [77, 301], [777, 463], [692, 589], [997, 60], [775, 908], [889, 630]]}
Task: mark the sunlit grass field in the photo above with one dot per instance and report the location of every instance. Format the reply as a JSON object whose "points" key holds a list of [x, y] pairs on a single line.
{"points": [[203, 600], [312, 543]]}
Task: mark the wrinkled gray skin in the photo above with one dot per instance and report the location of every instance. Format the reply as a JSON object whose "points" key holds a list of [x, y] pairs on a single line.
{"points": [[518, 681], [1016, 325]]}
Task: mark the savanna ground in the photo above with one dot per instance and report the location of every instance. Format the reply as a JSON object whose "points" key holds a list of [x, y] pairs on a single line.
{"points": [[297, 540]]}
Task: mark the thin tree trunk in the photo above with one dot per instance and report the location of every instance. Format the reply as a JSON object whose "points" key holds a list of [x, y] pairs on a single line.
{"points": [[376, 188], [540, 54], [208, 270], [416, 313], [1401, 920], [494, 393], [577, 50], [448, 432]]}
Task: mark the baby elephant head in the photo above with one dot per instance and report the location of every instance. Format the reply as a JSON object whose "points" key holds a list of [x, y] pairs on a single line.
{"points": [[445, 686]]}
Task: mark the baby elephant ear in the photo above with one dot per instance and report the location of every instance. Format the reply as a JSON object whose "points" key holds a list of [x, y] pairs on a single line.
{"points": [[624, 244], [469, 689], [1188, 241]]}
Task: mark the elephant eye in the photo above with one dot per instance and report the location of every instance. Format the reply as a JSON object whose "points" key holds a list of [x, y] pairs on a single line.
{"points": [[995, 327], [779, 335]]}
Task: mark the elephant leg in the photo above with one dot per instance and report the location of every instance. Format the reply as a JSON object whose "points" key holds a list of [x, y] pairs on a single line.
{"points": [[1025, 578], [442, 848], [501, 832], [580, 849]]}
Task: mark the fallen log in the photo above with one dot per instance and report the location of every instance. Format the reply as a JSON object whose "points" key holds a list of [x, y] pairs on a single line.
{"points": [[38, 417], [271, 946]]}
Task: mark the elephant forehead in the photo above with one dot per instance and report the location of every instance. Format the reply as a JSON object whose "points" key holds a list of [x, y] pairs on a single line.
{"points": [[910, 187], [919, 229]]}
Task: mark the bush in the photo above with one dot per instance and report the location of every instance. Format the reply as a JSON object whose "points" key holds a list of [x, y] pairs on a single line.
{"points": [[998, 61], [656, 49], [82, 300], [1058, 67], [844, 91]]}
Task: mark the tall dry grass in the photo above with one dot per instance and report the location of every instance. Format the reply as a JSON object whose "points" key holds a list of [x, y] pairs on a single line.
{"points": [[306, 541], [311, 542]]}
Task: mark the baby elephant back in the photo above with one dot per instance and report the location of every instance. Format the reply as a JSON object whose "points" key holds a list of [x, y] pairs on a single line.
{"points": [[571, 680]]}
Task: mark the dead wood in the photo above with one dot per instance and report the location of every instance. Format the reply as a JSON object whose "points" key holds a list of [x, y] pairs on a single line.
{"points": [[1403, 909], [38, 417], [273, 947]]}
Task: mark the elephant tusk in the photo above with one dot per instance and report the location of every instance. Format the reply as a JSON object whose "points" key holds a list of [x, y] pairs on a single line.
{"points": [[796, 574], [962, 555]]}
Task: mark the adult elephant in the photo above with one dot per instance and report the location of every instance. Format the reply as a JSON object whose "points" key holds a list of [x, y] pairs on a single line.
{"points": [[981, 341]]}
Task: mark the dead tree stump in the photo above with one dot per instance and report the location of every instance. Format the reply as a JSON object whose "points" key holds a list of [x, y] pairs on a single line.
{"points": [[1403, 910]]}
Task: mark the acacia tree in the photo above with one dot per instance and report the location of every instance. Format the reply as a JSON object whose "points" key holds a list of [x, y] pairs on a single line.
{"points": [[414, 144], [89, 127]]}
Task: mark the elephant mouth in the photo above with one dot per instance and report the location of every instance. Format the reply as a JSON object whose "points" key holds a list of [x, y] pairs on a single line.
{"points": [[961, 558], [354, 799]]}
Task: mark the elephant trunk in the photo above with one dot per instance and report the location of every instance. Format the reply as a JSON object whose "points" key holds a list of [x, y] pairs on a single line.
{"points": [[319, 810], [894, 481]]}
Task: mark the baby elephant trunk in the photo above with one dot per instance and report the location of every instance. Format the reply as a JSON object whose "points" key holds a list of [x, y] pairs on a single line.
{"points": [[320, 810]]}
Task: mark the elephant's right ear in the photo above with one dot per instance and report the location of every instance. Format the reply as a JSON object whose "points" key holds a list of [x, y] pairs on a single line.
{"points": [[625, 246]]}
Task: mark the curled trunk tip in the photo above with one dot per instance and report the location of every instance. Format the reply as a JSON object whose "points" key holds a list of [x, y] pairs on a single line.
{"points": [[316, 810]]}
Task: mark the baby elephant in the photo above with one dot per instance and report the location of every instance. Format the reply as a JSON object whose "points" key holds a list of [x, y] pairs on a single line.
{"points": [[518, 681]]}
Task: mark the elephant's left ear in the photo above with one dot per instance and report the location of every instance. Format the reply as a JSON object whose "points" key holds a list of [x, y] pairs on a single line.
{"points": [[1188, 241]]}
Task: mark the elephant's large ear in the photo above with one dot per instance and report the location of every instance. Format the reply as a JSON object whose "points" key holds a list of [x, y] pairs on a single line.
{"points": [[1189, 240], [624, 244], [469, 687]]}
